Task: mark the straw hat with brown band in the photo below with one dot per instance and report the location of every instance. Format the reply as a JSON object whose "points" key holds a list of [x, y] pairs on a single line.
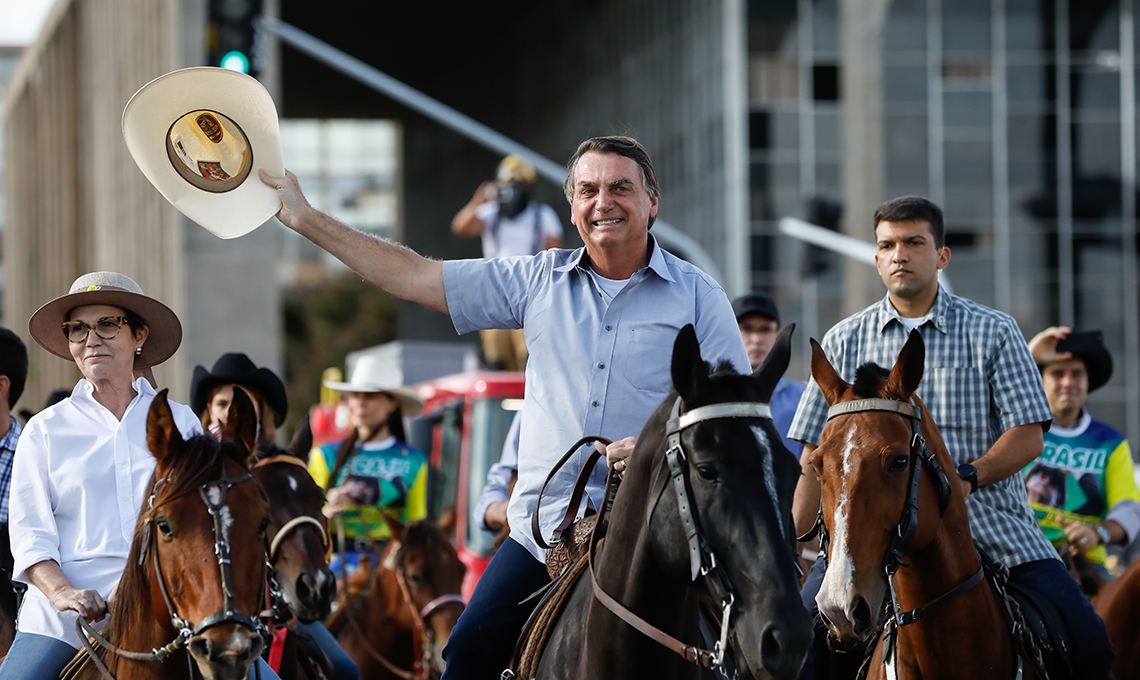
{"points": [[117, 290]]}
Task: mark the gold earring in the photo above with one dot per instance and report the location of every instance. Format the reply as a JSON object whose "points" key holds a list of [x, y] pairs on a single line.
{"points": [[138, 351]]}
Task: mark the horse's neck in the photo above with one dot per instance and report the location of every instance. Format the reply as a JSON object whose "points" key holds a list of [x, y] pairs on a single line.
{"points": [[935, 646], [632, 577]]}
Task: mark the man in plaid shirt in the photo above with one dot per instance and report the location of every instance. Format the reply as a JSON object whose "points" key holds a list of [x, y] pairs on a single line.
{"points": [[983, 390], [13, 374]]}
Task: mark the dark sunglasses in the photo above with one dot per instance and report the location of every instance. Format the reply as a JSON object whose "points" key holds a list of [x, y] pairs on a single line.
{"points": [[107, 328]]}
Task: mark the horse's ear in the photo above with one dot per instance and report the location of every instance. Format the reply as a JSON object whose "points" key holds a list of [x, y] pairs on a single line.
{"points": [[162, 435], [446, 524], [825, 376], [907, 373], [395, 526], [689, 369], [768, 375], [241, 421]]}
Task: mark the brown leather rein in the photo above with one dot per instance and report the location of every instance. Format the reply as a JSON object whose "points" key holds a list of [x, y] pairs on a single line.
{"points": [[702, 559]]}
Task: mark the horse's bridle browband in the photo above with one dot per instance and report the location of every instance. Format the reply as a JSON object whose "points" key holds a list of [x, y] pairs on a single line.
{"points": [[701, 557], [908, 522], [185, 630]]}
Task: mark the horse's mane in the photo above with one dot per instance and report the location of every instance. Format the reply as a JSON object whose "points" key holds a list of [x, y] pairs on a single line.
{"points": [[270, 450], [869, 381], [198, 460]]}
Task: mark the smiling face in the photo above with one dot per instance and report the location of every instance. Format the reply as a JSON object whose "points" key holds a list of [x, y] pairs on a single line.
{"points": [[101, 360], [1067, 388], [610, 206], [908, 259]]}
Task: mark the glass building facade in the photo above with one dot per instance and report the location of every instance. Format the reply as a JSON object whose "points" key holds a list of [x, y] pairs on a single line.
{"points": [[1016, 116]]}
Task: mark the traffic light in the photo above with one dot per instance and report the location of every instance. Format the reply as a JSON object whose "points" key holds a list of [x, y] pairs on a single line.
{"points": [[231, 37]]}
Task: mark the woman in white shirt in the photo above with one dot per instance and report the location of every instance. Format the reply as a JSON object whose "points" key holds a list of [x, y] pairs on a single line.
{"points": [[81, 466]]}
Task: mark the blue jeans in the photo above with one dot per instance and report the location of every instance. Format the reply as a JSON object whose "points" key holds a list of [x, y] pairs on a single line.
{"points": [[35, 657], [483, 640], [322, 641], [1088, 640]]}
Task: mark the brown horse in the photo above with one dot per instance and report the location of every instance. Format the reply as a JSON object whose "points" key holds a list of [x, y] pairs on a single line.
{"points": [[867, 461], [703, 516], [399, 625], [198, 556], [1119, 605], [303, 585]]}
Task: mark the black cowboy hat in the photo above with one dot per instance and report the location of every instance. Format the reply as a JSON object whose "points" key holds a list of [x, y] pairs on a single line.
{"points": [[237, 369], [1088, 346]]}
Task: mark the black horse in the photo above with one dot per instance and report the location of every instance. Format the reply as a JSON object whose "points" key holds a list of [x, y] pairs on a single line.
{"points": [[739, 480]]}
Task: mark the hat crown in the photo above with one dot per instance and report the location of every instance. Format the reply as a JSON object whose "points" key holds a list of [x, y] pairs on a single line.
{"points": [[369, 370], [101, 280], [233, 364]]}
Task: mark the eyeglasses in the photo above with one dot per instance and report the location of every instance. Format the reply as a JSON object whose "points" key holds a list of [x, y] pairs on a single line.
{"points": [[107, 328]]}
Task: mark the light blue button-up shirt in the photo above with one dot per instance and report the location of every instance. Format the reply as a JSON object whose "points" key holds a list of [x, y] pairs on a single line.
{"points": [[595, 368]]}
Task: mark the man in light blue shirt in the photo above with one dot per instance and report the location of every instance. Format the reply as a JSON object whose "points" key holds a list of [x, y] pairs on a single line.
{"points": [[599, 323]]}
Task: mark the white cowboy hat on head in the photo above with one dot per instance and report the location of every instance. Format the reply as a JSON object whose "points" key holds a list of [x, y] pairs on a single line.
{"points": [[117, 290], [369, 375], [200, 135]]}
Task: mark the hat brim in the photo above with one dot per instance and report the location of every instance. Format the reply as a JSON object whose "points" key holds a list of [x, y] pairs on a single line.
{"points": [[263, 380], [1098, 363], [152, 110], [46, 325], [411, 403]]}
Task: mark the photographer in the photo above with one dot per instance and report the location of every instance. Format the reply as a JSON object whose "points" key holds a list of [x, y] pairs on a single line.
{"points": [[511, 223]]}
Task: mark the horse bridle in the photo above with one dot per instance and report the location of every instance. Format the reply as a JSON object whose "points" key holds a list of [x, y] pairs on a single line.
{"points": [[421, 631], [702, 559], [185, 630], [277, 602], [908, 522]]}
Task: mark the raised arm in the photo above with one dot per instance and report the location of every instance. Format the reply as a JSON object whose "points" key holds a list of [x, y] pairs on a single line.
{"points": [[466, 222], [395, 268]]}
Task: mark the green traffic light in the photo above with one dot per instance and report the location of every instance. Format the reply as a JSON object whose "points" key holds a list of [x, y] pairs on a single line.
{"points": [[235, 61]]}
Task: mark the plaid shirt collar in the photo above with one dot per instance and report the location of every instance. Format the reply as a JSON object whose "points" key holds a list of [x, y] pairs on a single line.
{"points": [[10, 439], [939, 316]]}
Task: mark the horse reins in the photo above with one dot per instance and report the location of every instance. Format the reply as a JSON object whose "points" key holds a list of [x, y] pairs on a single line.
{"points": [[908, 522], [185, 630], [702, 559]]}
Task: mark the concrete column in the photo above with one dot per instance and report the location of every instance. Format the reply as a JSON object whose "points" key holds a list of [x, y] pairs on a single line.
{"points": [[861, 36]]}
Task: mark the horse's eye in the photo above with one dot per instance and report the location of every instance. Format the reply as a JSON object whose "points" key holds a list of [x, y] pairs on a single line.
{"points": [[263, 526], [164, 527], [415, 578], [898, 464], [707, 471]]}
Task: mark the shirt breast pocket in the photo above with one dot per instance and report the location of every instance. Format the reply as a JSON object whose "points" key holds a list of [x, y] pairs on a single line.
{"points": [[957, 398], [645, 355]]}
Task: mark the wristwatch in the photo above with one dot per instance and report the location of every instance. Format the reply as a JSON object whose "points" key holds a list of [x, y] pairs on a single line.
{"points": [[1105, 537], [969, 473]]}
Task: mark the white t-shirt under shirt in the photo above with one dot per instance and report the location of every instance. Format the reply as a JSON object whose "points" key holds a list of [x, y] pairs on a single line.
{"points": [[524, 234], [912, 324], [609, 287]]}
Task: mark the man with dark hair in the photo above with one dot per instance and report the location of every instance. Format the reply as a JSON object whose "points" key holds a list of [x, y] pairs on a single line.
{"points": [[13, 375], [914, 209], [981, 386], [600, 323], [1089, 463]]}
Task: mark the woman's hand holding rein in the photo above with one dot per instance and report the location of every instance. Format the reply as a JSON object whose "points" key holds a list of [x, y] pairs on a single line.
{"points": [[49, 578]]}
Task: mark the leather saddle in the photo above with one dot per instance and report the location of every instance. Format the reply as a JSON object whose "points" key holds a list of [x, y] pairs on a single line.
{"points": [[1037, 618]]}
